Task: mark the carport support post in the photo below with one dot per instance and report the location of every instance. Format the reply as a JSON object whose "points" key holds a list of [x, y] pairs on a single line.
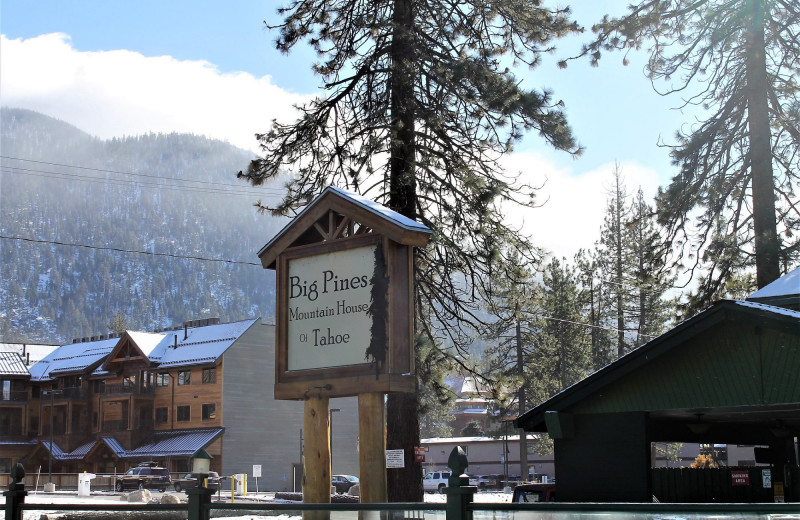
{"points": [[199, 500], [317, 455]]}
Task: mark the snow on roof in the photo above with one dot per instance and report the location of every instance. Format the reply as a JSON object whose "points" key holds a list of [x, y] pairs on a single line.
{"points": [[381, 210], [72, 357], [201, 345], [770, 308], [27, 350], [146, 341], [786, 285], [12, 364]]}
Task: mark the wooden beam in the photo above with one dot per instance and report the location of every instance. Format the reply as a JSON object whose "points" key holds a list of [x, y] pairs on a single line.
{"points": [[372, 447], [316, 455]]}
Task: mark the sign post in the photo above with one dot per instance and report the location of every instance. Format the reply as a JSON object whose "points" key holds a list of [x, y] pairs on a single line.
{"points": [[344, 324]]}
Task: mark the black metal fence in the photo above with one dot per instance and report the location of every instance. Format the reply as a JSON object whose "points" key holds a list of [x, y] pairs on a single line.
{"points": [[459, 506]]}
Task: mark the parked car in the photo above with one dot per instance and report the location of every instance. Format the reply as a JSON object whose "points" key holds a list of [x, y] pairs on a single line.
{"points": [[191, 480], [148, 475], [473, 480], [489, 481], [435, 481], [343, 483], [534, 493]]}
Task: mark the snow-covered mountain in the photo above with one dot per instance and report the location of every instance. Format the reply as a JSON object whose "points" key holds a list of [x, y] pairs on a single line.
{"points": [[174, 197]]}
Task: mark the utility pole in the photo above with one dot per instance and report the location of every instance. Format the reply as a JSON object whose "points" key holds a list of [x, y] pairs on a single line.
{"points": [[521, 397]]}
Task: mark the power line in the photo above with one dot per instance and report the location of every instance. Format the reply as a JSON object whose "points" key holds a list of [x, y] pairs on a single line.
{"points": [[159, 178], [122, 250]]}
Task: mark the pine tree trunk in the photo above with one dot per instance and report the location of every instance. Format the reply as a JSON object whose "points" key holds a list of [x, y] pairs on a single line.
{"points": [[402, 425], [402, 419], [767, 247]]}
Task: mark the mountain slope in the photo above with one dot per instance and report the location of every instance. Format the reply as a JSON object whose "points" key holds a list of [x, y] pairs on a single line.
{"points": [[173, 196]]}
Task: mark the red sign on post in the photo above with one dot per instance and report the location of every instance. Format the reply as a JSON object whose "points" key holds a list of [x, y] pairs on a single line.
{"points": [[740, 478], [419, 454]]}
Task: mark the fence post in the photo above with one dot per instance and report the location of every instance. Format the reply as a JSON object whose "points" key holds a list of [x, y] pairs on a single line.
{"points": [[459, 492], [199, 500], [15, 496]]}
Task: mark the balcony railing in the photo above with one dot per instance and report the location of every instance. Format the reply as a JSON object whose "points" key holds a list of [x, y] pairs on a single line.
{"points": [[115, 426], [14, 396], [126, 389]]}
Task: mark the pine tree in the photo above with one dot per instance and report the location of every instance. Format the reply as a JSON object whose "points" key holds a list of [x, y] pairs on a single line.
{"points": [[733, 204], [562, 354], [649, 308], [614, 256], [419, 105]]}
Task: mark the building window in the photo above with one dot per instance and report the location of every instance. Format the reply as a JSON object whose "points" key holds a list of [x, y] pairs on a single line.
{"points": [[162, 415], [209, 412], [184, 377], [210, 375], [5, 465], [183, 413], [162, 379]]}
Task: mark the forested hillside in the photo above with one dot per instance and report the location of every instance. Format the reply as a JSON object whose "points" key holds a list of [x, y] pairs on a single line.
{"points": [[172, 196]]}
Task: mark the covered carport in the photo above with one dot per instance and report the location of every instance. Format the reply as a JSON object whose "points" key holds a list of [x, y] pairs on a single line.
{"points": [[729, 375]]}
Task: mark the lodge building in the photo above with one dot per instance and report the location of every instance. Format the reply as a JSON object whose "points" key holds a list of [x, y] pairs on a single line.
{"points": [[110, 402]]}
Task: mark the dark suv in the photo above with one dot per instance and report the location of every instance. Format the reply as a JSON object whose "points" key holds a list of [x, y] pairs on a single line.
{"points": [[144, 476]]}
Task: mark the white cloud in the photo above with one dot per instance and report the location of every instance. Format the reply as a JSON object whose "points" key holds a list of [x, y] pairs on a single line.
{"points": [[573, 204], [117, 93]]}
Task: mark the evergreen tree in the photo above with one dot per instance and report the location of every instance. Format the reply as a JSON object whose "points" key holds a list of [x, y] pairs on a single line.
{"points": [[649, 308], [614, 256], [419, 105], [515, 310], [562, 354], [594, 301], [739, 61]]}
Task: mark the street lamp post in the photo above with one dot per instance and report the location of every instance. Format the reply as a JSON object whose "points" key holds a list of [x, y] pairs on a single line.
{"points": [[52, 393], [330, 433]]}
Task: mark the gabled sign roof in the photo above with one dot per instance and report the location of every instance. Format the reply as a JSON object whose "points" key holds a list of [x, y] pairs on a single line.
{"points": [[337, 213]]}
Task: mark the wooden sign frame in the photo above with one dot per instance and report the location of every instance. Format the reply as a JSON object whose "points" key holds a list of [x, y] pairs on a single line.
{"points": [[338, 221]]}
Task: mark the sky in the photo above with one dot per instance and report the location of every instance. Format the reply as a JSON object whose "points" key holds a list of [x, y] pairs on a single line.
{"points": [[123, 68]]}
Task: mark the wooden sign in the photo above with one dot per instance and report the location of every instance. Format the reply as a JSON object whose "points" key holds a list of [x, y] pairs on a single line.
{"points": [[344, 313]]}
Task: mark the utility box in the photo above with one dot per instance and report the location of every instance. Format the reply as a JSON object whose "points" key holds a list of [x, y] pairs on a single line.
{"points": [[84, 484], [240, 484]]}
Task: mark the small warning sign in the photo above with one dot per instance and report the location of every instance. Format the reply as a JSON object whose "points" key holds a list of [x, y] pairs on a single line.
{"points": [[395, 459], [740, 478]]}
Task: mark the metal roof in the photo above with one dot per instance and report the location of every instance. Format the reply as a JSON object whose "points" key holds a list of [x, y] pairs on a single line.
{"points": [[175, 443], [786, 285], [198, 345], [12, 364], [194, 346], [72, 357]]}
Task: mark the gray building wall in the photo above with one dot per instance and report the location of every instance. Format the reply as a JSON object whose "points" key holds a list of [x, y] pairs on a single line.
{"points": [[262, 431], [485, 456]]}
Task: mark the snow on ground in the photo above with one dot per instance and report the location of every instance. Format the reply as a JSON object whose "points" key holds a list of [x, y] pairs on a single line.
{"points": [[111, 498]]}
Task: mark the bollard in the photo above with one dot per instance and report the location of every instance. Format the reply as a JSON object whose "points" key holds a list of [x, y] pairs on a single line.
{"points": [[459, 492], [15, 496]]}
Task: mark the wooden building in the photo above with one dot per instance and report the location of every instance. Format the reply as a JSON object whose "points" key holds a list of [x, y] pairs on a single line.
{"points": [[109, 403], [728, 375]]}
